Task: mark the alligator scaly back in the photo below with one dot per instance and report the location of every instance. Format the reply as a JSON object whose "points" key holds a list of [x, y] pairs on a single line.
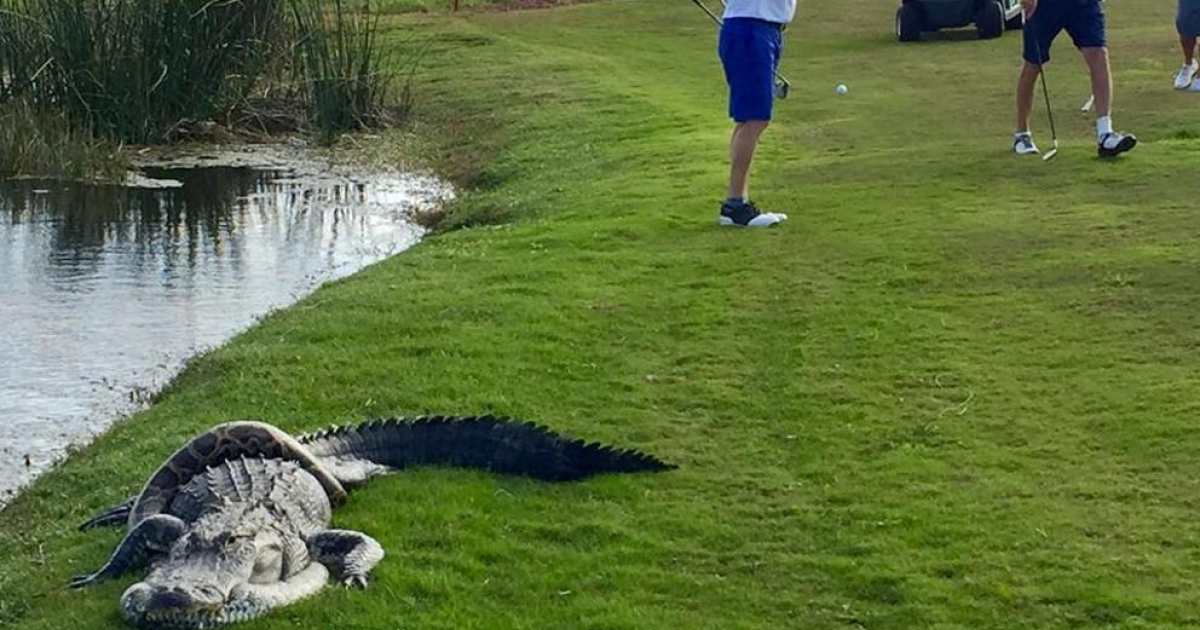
{"points": [[358, 452]]}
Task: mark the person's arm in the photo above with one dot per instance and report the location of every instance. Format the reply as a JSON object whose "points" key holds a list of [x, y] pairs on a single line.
{"points": [[1029, 6]]}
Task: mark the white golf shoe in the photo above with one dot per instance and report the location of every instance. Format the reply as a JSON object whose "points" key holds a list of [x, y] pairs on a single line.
{"points": [[1023, 144], [1186, 75], [1115, 143], [746, 214]]}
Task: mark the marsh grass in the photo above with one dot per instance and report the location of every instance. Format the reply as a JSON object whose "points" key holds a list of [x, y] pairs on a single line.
{"points": [[340, 64], [131, 69], [144, 71], [33, 143]]}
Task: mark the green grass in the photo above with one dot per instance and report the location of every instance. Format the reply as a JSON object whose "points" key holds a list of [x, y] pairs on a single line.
{"points": [[957, 391]]}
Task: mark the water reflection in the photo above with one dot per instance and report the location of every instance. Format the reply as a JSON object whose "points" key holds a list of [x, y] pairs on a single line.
{"points": [[106, 289]]}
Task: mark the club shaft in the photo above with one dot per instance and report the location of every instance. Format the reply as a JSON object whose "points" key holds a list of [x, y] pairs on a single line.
{"points": [[1037, 45], [707, 10]]}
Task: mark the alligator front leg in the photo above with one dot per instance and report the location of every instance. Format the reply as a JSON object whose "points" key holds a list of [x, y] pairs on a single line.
{"points": [[350, 555], [150, 537], [113, 515]]}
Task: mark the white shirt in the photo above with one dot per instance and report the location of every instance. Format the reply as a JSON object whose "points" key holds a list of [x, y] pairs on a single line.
{"points": [[781, 11]]}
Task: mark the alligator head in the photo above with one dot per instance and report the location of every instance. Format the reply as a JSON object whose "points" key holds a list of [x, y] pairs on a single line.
{"points": [[214, 574]]}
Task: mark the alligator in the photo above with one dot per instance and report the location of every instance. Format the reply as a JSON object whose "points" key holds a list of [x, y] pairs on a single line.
{"points": [[237, 522]]}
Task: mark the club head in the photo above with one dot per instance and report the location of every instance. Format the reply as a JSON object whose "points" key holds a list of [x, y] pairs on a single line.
{"points": [[1087, 107], [1049, 155], [781, 89]]}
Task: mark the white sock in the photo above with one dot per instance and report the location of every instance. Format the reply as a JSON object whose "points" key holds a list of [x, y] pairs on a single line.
{"points": [[1103, 127], [1018, 134]]}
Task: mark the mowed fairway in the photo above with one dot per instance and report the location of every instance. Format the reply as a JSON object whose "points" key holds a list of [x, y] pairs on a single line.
{"points": [[958, 390]]}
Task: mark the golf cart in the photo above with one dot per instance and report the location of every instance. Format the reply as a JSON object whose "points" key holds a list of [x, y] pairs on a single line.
{"points": [[990, 17]]}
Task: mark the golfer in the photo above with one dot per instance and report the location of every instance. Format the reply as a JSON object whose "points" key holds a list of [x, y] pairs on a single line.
{"points": [[751, 43], [1084, 22], [1187, 22]]}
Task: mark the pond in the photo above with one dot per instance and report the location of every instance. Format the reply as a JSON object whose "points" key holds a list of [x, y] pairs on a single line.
{"points": [[105, 291]]}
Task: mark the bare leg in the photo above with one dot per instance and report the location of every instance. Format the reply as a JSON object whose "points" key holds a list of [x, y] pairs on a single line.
{"points": [[1102, 88], [741, 154], [1026, 83], [1189, 49]]}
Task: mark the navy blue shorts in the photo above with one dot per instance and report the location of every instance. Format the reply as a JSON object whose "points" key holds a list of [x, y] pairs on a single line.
{"points": [[750, 51], [1187, 18], [1082, 19]]}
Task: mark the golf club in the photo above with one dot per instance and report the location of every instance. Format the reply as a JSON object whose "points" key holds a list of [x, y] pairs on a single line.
{"points": [[1091, 102], [782, 85], [1049, 155]]}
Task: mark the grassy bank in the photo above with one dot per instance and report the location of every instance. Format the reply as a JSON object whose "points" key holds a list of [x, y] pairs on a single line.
{"points": [[957, 391]]}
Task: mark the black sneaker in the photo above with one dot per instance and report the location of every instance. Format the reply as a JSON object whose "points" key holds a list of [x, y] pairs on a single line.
{"points": [[746, 214], [1115, 143]]}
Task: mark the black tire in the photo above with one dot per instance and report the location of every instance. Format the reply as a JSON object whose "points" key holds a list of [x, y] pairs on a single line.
{"points": [[908, 23], [1016, 22], [989, 22]]}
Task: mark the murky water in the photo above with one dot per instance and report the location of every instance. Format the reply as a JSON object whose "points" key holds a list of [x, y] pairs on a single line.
{"points": [[106, 290]]}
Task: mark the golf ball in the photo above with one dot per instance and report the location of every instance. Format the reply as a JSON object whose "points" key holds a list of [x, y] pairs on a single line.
{"points": [[841, 88]]}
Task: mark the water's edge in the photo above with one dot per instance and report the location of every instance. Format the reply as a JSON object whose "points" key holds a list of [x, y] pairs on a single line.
{"points": [[263, 241]]}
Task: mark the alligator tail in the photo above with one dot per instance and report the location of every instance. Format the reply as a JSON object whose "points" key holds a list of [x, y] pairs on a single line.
{"points": [[357, 452]]}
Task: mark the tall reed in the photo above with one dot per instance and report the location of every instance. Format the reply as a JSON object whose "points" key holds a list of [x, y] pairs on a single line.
{"points": [[45, 144], [134, 70], [340, 63]]}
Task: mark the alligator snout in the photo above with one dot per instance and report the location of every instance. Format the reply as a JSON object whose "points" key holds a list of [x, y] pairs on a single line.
{"points": [[192, 597], [152, 606], [197, 597]]}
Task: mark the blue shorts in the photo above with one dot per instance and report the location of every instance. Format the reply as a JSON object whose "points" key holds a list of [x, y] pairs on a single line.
{"points": [[1187, 18], [1082, 19], [750, 51]]}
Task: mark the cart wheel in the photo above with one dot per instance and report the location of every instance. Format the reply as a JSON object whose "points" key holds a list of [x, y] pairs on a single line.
{"points": [[1016, 22], [908, 23], [989, 22]]}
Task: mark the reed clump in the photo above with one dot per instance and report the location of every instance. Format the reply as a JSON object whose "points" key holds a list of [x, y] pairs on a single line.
{"points": [[341, 65], [46, 144], [146, 71]]}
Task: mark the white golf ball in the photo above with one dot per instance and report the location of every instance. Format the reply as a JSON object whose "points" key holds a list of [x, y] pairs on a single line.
{"points": [[841, 88]]}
